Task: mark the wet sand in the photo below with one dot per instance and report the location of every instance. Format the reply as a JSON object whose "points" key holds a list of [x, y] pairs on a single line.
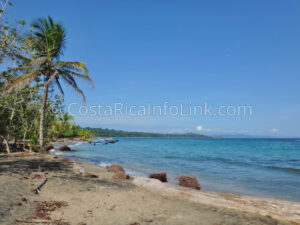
{"points": [[105, 200]]}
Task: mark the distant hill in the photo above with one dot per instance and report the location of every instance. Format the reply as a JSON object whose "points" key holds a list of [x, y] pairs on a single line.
{"points": [[104, 132]]}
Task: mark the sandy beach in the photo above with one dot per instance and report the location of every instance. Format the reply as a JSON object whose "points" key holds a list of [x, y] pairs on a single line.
{"points": [[71, 198]]}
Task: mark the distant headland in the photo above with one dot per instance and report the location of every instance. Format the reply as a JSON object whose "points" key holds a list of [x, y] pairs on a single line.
{"points": [[120, 133]]}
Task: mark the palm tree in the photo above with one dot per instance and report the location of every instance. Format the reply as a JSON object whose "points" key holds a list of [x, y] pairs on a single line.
{"points": [[64, 121], [47, 43]]}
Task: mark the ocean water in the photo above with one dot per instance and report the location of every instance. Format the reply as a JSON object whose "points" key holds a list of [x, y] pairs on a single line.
{"points": [[259, 167]]}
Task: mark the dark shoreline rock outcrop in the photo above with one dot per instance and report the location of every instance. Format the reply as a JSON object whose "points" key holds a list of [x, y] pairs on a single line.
{"points": [[189, 181], [65, 148], [162, 176], [49, 147], [119, 172]]}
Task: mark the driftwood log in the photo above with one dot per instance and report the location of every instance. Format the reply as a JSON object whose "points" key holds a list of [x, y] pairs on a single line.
{"points": [[37, 189], [32, 221]]}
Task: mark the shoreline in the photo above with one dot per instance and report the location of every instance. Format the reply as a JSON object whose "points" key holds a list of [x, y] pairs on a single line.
{"points": [[154, 192], [137, 172], [274, 207]]}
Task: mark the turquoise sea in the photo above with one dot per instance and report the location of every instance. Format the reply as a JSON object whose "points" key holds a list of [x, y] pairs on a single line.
{"points": [[259, 167]]}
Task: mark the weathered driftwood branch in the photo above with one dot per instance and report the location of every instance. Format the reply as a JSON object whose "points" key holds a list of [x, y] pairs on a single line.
{"points": [[37, 189], [32, 221]]}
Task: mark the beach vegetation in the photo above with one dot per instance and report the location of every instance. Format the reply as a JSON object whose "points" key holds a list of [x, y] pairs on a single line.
{"points": [[31, 112]]}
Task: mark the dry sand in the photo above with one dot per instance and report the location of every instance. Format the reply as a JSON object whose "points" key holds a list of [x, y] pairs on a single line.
{"points": [[105, 200]]}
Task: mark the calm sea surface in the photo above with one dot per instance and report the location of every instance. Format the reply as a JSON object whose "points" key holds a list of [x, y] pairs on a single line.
{"points": [[260, 167]]}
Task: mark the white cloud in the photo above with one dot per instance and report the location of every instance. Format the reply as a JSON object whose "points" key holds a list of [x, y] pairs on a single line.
{"points": [[274, 130], [200, 128]]}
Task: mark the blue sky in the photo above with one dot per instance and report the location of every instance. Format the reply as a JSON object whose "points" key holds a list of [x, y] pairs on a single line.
{"points": [[219, 52]]}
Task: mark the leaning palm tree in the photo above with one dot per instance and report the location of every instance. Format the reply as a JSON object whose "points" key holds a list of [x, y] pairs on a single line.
{"points": [[47, 44]]}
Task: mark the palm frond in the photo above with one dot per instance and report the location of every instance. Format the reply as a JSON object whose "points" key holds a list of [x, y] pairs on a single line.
{"points": [[78, 75], [19, 69], [48, 38], [59, 85], [19, 56], [71, 81], [73, 65], [22, 81]]}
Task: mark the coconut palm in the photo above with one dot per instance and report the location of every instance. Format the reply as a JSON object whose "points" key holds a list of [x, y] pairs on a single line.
{"points": [[47, 43]]}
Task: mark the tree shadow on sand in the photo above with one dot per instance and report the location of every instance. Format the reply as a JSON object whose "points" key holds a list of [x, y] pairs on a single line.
{"points": [[63, 172], [31, 165]]}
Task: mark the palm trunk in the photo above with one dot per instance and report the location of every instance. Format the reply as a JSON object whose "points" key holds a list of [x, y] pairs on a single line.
{"points": [[42, 120]]}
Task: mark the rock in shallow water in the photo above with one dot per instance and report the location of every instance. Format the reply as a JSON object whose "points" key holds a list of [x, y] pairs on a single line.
{"points": [[49, 147], [65, 148]]}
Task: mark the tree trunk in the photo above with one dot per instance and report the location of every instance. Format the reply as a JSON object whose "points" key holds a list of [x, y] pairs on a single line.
{"points": [[24, 138], [42, 119], [6, 144], [10, 125]]}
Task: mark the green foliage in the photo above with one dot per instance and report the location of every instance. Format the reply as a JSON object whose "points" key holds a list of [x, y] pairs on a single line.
{"points": [[86, 134], [31, 64], [33, 140], [43, 66], [22, 22]]}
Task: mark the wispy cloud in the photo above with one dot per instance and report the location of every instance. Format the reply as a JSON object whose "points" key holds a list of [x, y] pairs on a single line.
{"points": [[202, 129], [274, 130]]}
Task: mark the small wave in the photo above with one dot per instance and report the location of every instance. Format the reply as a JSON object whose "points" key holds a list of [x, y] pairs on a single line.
{"points": [[135, 173], [76, 144], [104, 164], [54, 152], [287, 169]]}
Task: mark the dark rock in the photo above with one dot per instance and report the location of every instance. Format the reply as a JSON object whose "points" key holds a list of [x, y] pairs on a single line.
{"points": [[49, 147], [121, 175], [65, 148], [189, 181], [159, 176], [114, 168], [119, 172]]}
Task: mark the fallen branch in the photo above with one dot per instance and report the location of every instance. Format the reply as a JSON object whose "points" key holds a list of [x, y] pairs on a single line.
{"points": [[37, 189], [32, 221]]}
